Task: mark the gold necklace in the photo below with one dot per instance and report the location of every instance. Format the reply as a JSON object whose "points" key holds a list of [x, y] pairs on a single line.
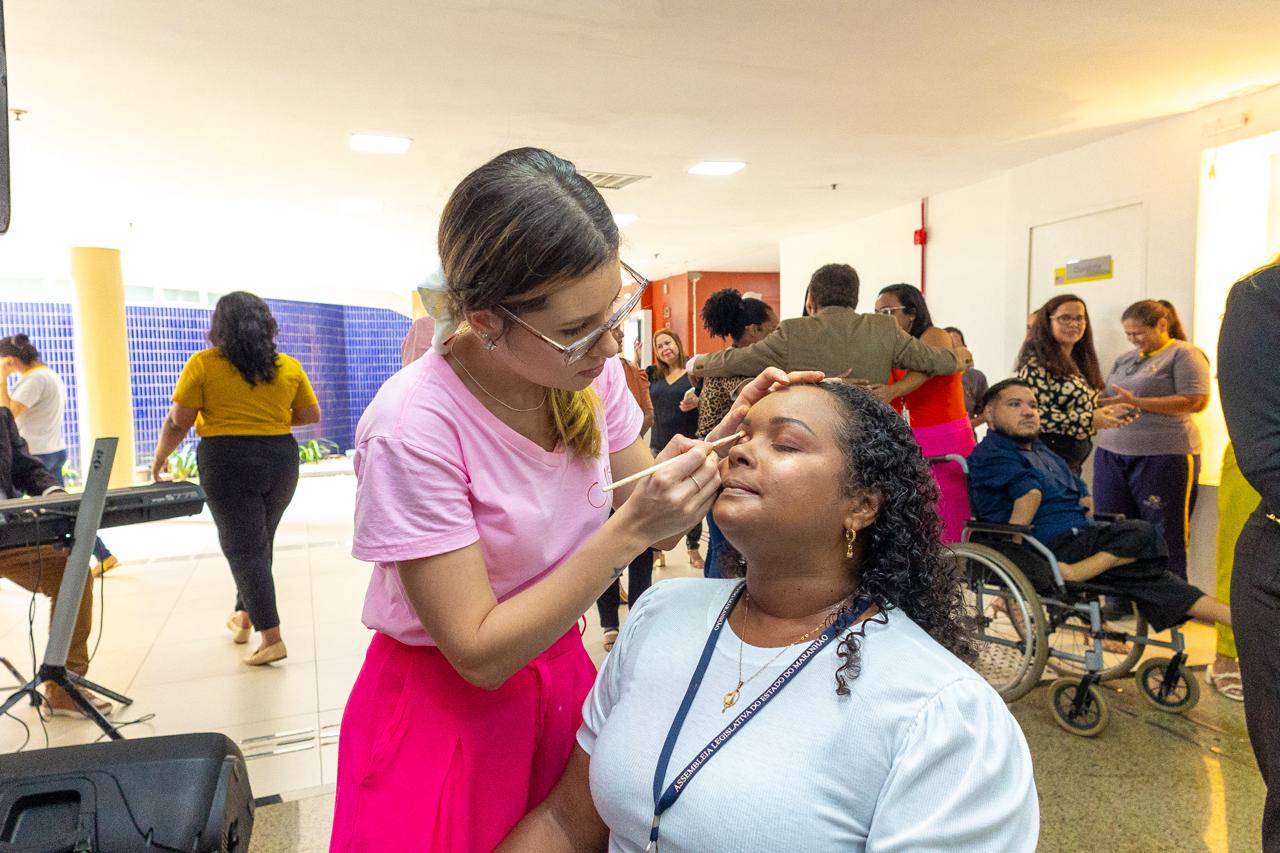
{"points": [[494, 396], [731, 698]]}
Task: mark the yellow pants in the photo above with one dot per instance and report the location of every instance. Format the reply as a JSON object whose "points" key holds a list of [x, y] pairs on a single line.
{"points": [[1236, 502]]}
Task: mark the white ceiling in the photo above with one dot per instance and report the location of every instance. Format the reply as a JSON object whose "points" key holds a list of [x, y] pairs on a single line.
{"points": [[219, 130]]}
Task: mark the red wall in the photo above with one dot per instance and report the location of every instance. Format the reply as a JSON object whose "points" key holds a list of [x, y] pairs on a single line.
{"points": [[767, 284], [671, 305], [676, 303]]}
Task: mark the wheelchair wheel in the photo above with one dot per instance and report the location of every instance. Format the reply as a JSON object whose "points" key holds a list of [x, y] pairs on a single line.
{"points": [[1177, 697], [1091, 719], [1007, 619], [1072, 636]]}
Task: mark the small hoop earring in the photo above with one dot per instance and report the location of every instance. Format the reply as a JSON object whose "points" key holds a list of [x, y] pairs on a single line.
{"points": [[849, 537]]}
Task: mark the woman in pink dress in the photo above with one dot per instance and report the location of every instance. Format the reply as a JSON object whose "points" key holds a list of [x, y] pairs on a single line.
{"points": [[479, 471], [934, 405]]}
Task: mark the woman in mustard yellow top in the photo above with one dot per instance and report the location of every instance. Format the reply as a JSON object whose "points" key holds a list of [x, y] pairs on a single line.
{"points": [[243, 398]]}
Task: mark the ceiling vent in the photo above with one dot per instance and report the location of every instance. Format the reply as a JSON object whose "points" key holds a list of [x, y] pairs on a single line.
{"points": [[612, 180]]}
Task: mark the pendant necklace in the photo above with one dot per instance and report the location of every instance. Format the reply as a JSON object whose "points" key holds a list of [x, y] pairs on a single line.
{"points": [[494, 396], [731, 698]]}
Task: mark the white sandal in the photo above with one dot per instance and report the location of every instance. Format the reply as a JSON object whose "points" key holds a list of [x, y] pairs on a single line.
{"points": [[1229, 684]]}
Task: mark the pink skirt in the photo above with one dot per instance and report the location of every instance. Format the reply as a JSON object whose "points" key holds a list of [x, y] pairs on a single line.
{"points": [[428, 761], [953, 505]]}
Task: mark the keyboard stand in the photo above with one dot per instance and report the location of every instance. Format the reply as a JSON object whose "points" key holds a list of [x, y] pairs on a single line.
{"points": [[74, 577], [13, 670]]}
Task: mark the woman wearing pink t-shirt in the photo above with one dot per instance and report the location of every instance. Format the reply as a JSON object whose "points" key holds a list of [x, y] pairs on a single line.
{"points": [[479, 502]]}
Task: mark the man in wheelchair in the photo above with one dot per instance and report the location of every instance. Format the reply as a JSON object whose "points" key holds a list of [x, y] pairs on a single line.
{"points": [[1014, 478]]}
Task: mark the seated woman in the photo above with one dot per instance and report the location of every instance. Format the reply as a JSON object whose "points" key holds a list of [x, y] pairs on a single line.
{"points": [[822, 704]]}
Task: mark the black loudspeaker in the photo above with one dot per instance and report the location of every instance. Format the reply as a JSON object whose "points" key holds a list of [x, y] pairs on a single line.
{"points": [[182, 792], [4, 130]]}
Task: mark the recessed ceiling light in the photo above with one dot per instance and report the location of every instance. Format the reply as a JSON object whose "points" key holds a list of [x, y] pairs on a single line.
{"points": [[719, 168], [624, 219], [372, 143]]}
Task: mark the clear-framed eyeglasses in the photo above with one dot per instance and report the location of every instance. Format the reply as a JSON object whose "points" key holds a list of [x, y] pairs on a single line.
{"points": [[890, 310], [577, 350]]}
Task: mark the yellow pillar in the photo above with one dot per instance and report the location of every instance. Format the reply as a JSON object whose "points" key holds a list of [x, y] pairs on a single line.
{"points": [[103, 364]]}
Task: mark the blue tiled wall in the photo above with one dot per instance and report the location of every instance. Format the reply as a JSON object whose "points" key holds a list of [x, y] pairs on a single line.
{"points": [[316, 335], [49, 327], [347, 351], [161, 339]]}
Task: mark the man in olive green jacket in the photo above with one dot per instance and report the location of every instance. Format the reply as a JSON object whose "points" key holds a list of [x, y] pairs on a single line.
{"points": [[835, 339]]}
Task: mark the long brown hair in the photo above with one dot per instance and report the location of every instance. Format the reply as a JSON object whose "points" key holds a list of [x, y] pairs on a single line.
{"points": [[1041, 347], [244, 331], [1149, 312], [512, 233], [681, 358]]}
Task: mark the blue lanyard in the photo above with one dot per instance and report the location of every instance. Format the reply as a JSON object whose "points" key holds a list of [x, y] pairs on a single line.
{"points": [[663, 800]]}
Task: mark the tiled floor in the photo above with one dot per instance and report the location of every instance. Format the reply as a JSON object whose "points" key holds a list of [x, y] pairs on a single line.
{"points": [[1151, 782], [166, 647], [164, 643]]}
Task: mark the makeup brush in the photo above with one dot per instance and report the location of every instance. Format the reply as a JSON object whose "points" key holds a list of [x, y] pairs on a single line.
{"points": [[659, 466]]}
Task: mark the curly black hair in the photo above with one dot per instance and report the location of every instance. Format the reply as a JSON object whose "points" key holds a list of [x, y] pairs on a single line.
{"points": [[904, 564], [244, 332], [727, 313]]}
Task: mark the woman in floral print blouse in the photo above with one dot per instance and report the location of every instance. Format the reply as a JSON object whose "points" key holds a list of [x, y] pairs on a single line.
{"points": [[1059, 361]]}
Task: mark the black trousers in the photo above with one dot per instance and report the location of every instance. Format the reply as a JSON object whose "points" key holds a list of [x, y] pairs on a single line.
{"points": [[693, 538], [1074, 450], [248, 482], [639, 578], [1255, 616], [1162, 597]]}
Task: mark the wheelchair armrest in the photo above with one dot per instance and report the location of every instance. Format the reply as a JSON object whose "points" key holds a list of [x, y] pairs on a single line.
{"points": [[1023, 531], [949, 457], [1111, 517], [996, 527]]}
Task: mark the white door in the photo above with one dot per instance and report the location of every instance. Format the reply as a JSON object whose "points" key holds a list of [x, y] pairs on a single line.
{"points": [[639, 326], [1120, 234]]}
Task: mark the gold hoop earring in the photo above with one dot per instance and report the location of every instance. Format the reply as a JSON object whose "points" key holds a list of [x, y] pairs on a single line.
{"points": [[849, 537]]}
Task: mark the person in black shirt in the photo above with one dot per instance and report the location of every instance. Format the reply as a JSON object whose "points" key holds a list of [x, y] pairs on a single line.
{"points": [[1249, 382], [675, 410], [39, 568]]}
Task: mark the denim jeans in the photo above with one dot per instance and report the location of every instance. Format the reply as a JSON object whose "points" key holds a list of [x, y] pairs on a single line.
{"points": [[715, 546], [54, 462]]}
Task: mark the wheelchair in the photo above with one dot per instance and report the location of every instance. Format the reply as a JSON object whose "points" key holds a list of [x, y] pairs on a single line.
{"points": [[1020, 631]]}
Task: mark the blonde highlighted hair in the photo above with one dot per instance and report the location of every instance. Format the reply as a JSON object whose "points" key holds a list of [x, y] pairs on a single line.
{"points": [[511, 233]]}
